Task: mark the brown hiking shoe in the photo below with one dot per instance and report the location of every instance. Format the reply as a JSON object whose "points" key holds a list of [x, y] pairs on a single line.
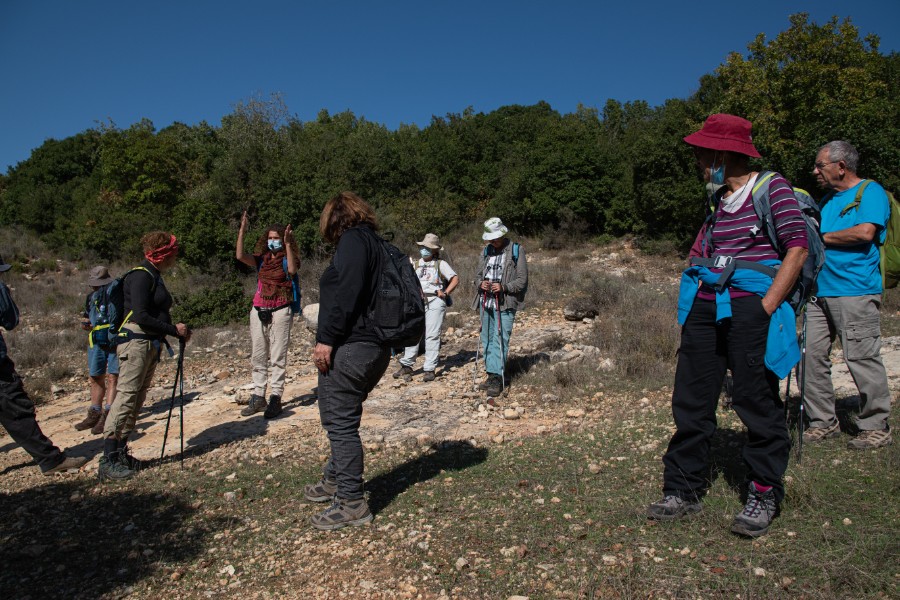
{"points": [[69, 463], [322, 491], [817, 434], [90, 419], [257, 404], [404, 372], [97, 429], [428, 376], [342, 513], [869, 439]]}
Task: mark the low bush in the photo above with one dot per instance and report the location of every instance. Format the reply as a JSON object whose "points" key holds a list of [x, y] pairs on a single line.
{"points": [[212, 306]]}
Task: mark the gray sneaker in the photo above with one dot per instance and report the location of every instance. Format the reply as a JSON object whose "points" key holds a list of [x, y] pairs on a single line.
{"points": [[112, 469], [322, 491], [428, 376], [671, 508], [342, 513], [256, 404], [757, 515], [69, 463]]}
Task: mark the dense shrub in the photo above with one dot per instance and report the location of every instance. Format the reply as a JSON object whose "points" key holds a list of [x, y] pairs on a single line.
{"points": [[213, 306]]}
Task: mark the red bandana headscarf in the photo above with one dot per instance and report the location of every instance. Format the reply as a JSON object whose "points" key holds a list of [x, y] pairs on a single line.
{"points": [[163, 252]]}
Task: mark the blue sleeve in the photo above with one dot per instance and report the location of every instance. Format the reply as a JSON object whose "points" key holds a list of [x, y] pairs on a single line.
{"points": [[9, 312], [874, 208]]}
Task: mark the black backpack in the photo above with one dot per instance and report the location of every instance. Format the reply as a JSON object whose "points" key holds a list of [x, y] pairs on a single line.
{"points": [[115, 307], [397, 313]]}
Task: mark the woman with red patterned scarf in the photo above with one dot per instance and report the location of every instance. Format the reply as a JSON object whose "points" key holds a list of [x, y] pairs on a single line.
{"points": [[147, 303], [276, 259]]}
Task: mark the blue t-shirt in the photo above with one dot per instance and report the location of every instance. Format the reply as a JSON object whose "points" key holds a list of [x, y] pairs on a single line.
{"points": [[854, 270]]}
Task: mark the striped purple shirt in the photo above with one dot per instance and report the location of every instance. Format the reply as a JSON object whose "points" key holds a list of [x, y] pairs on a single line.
{"points": [[739, 234]]}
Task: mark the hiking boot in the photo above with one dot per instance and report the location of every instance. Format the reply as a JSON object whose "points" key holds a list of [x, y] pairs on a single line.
{"points": [[97, 429], [817, 434], [671, 508], [404, 372], [342, 513], [869, 439], [90, 419], [428, 376], [495, 387], [484, 385], [321, 491], [69, 463], [758, 513], [126, 459], [274, 407], [112, 469], [256, 404]]}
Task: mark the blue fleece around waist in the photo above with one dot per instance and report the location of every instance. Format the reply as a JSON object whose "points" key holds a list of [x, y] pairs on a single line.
{"points": [[782, 349]]}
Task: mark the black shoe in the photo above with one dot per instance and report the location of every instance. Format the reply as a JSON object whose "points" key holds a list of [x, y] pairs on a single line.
{"points": [[274, 407], [127, 460], [494, 387], [256, 404]]}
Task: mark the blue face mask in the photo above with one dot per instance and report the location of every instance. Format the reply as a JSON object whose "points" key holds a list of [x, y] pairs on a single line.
{"points": [[717, 174], [275, 245], [425, 252]]}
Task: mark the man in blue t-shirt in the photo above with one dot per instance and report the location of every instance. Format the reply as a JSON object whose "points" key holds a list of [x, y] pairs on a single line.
{"points": [[848, 300]]}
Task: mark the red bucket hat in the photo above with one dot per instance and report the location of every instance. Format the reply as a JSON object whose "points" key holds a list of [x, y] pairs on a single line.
{"points": [[725, 132]]}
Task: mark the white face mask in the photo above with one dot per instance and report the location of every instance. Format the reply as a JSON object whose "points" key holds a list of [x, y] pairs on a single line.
{"points": [[275, 245]]}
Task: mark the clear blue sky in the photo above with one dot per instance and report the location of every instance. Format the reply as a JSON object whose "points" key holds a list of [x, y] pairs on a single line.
{"points": [[67, 65]]}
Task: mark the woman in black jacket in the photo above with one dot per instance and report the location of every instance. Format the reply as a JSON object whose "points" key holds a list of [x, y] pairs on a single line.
{"points": [[348, 356], [146, 325]]}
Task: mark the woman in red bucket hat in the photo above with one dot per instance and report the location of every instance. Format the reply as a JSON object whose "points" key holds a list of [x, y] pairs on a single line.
{"points": [[726, 307]]}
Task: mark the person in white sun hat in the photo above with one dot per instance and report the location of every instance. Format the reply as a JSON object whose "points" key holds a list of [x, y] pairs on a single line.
{"points": [[438, 280], [500, 291]]}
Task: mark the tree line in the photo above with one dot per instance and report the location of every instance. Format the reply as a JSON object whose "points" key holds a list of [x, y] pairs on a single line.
{"points": [[620, 170]]}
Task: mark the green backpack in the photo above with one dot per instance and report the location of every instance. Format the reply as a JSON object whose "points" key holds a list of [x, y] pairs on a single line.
{"points": [[890, 249]]}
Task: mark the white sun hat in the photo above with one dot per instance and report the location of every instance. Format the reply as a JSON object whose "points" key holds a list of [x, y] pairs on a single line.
{"points": [[493, 229]]}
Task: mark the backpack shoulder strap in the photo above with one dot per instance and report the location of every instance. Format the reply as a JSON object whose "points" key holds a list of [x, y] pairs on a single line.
{"points": [[515, 253], [857, 199], [763, 208]]}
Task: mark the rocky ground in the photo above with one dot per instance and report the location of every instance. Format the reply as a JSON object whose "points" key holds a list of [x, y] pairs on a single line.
{"points": [[399, 415]]}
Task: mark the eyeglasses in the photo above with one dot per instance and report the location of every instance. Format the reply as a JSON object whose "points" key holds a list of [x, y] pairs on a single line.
{"points": [[822, 165]]}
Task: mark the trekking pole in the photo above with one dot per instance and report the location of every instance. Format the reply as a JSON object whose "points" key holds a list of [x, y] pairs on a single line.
{"points": [[478, 341], [181, 401], [500, 340], [802, 381], [178, 378]]}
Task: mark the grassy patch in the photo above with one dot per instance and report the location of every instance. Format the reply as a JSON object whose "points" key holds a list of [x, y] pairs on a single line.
{"points": [[549, 517]]}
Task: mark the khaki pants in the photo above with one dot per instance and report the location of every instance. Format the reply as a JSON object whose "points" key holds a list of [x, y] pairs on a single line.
{"points": [[270, 346], [137, 364], [857, 320]]}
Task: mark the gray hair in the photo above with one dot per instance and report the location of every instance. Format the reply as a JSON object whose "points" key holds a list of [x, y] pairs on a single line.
{"points": [[840, 150]]}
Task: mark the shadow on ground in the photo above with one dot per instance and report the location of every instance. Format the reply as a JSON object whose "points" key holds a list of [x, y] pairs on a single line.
{"points": [[61, 541], [443, 457]]}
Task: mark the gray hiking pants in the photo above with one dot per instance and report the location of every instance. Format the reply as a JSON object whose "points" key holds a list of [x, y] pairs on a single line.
{"points": [[857, 320]]}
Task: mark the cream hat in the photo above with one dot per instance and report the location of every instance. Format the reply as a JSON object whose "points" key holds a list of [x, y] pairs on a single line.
{"points": [[493, 229], [432, 242]]}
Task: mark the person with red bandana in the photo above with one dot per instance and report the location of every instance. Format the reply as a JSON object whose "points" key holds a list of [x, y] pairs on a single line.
{"points": [[147, 303]]}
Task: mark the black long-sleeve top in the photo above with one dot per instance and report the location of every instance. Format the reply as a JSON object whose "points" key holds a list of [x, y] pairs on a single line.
{"points": [[347, 289], [149, 304]]}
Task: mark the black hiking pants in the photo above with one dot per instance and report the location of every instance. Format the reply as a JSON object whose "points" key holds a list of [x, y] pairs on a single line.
{"points": [[18, 418], [356, 368], [707, 350]]}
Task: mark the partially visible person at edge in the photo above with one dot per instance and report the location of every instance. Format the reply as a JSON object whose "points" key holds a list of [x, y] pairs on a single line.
{"points": [[742, 324], [848, 302], [276, 259], [347, 354], [103, 364], [438, 280], [501, 286], [16, 408], [146, 304]]}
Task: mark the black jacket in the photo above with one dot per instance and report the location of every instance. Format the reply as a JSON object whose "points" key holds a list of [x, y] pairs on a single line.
{"points": [[347, 289], [149, 304]]}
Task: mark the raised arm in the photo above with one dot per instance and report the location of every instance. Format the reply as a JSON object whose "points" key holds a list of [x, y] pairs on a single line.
{"points": [[239, 253]]}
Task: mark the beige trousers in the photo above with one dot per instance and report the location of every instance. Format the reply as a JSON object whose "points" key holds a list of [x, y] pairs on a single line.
{"points": [[270, 346], [137, 364]]}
